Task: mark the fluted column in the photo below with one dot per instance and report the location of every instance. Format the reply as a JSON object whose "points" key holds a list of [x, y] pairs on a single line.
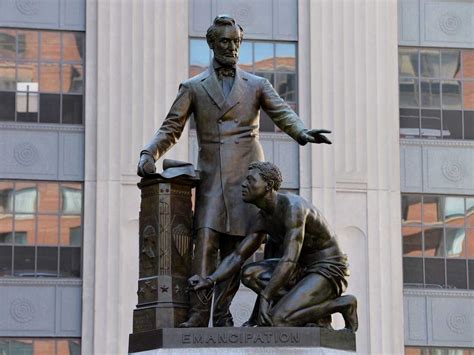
{"points": [[137, 54], [348, 55]]}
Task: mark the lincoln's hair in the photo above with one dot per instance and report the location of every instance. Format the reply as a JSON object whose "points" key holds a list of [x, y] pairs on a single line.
{"points": [[269, 173], [222, 20]]}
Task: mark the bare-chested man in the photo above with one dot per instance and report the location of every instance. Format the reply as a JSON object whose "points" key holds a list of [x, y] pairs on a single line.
{"points": [[305, 285]]}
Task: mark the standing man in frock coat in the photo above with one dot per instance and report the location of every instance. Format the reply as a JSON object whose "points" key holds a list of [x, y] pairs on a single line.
{"points": [[225, 102]]}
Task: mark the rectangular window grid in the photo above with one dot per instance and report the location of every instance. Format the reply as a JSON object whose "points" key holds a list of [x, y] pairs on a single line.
{"points": [[438, 241], [40, 346], [275, 61], [436, 88], [40, 229], [41, 76]]}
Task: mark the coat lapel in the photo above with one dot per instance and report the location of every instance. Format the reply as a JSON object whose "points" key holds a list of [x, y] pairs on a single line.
{"points": [[213, 88]]}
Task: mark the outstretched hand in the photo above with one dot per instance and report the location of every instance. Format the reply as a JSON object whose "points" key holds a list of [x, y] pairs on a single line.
{"points": [[198, 283], [146, 165], [316, 136]]}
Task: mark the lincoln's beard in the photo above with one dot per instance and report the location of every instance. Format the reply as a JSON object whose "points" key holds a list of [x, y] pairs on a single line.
{"points": [[226, 61]]}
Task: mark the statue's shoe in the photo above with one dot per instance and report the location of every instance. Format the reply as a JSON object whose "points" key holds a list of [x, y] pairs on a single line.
{"points": [[349, 312], [196, 320]]}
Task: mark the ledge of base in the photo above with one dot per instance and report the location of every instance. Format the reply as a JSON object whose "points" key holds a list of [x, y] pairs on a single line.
{"points": [[232, 338]]}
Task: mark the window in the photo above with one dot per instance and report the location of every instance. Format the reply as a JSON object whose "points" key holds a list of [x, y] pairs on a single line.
{"points": [[438, 241], [40, 346], [436, 93], [40, 229], [275, 61], [414, 350], [41, 76]]}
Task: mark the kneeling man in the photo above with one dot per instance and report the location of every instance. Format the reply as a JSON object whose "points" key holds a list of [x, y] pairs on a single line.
{"points": [[302, 287]]}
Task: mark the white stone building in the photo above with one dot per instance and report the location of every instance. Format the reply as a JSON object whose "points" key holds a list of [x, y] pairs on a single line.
{"points": [[85, 83]]}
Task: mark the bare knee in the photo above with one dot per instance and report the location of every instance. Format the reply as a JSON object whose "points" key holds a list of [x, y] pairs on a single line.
{"points": [[249, 275]]}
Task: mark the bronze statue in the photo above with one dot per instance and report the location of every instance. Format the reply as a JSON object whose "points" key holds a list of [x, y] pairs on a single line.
{"points": [[225, 102], [302, 287]]}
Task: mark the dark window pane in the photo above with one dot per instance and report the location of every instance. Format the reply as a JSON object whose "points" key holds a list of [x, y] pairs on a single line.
{"points": [[434, 241], [27, 105], [409, 122], [73, 46], [451, 91], [412, 241], [70, 262], [471, 273], [409, 92], [47, 262], [263, 56], [431, 123], [199, 56], [50, 106], [433, 210], [72, 109], [51, 46], [285, 57], [246, 56], [7, 75], [285, 85], [434, 272], [24, 261], [7, 43], [7, 106], [456, 273], [408, 62], [50, 77], [451, 64], [413, 271], [430, 93], [22, 346], [455, 242], [266, 123], [28, 45], [5, 260], [429, 63], [468, 124], [411, 209], [73, 78], [454, 211], [452, 124]]}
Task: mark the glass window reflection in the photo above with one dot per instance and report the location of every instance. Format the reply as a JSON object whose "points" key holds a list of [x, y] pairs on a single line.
{"points": [[451, 91], [451, 64], [431, 123], [455, 242], [411, 209], [51, 46], [7, 75], [199, 56], [468, 64], [264, 56], [73, 78], [430, 93], [7, 43], [433, 241], [73, 46], [408, 62], [412, 241], [429, 63], [454, 211], [28, 45], [246, 56]]}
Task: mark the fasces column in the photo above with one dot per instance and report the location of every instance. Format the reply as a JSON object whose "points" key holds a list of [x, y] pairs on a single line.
{"points": [[348, 83], [138, 55]]}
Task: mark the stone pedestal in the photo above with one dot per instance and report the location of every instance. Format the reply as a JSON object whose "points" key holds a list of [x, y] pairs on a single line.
{"points": [[240, 340], [165, 253]]}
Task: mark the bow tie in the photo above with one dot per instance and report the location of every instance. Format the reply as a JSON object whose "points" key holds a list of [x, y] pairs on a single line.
{"points": [[222, 72]]}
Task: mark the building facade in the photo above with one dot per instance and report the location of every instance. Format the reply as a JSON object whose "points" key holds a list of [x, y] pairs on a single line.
{"points": [[85, 83]]}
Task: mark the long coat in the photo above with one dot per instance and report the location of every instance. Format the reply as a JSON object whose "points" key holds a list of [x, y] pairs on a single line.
{"points": [[227, 133]]}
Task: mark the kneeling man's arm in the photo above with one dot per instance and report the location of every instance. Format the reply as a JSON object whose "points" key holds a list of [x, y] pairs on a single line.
{"points": [[231, 264], [291, 252]]}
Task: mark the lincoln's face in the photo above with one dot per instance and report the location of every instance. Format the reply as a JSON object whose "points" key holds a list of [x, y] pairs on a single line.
{"points": [[226, 45], [253, 187]]}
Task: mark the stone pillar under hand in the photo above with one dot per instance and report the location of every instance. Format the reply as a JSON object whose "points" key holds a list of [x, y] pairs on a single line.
{"points": [[165, 232]]}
